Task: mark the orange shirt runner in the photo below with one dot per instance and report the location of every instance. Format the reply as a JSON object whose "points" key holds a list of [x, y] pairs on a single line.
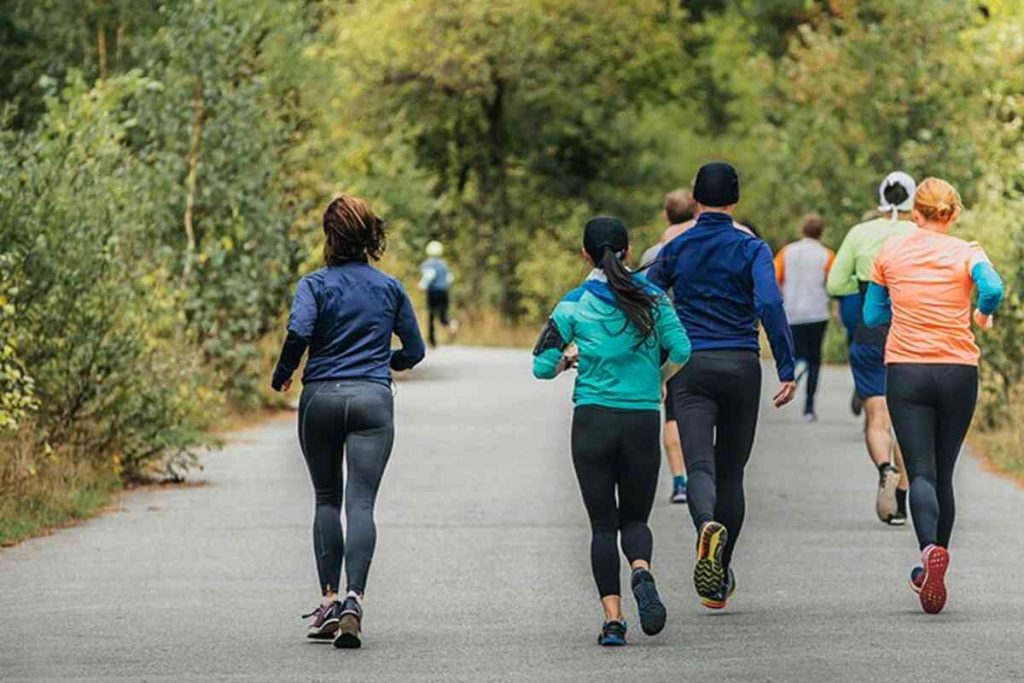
{"points": [[928, 275]]}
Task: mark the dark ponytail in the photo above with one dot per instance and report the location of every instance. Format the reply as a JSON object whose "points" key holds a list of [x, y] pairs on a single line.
{"points": [[636, 302]]}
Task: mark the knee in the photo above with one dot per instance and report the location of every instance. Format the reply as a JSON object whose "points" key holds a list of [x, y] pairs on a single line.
{"points": [[329, 498]]}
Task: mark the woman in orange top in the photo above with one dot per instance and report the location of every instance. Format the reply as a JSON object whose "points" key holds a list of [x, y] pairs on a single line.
{"points": [[923, 283]]}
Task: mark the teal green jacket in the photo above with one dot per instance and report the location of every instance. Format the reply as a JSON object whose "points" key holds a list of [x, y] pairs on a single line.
{"points": [[613, 371]]}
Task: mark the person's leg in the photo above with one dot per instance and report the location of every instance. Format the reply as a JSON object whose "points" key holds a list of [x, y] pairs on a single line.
{"points": [[674, 447], [736, 427], [911, 402], [958, 394], [637, 470], [431, 321], [369, 423], [594, 445], [815, 337], [442, 307], [321, 437], [696, 412]]}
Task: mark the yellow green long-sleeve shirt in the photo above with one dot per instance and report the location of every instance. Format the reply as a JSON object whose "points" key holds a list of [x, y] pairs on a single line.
{"points": [[857, 253]]}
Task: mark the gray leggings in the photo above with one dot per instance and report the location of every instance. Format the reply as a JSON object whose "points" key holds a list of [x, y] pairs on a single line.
{"points": [[354, 419]]}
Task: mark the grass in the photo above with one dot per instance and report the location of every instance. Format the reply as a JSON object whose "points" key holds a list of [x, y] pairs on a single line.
{"points": [[1001, 449]]}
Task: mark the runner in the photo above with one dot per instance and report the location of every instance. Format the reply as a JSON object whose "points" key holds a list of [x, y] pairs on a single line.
{"points": [[619, 323], [723, 280], [679, 209], [436, 280], [346, 411], [849, 275], [801, 269], [922, 283]]}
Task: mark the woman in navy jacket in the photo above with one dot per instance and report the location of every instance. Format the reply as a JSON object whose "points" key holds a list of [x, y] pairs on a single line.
{"points": [[345, 315]]}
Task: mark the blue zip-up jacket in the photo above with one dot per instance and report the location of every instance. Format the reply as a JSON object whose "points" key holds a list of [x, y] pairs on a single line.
{"points": [[723, 281], [346, 315]]}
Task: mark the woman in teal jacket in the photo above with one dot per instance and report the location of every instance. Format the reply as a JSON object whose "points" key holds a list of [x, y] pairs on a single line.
{"points": [[622, 327]]}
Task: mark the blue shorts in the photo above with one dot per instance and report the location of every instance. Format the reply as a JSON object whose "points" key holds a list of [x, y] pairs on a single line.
{"points": [[867, 362]]}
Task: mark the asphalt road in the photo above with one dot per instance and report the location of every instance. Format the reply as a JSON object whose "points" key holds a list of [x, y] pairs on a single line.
{"points": [[482, 569]]}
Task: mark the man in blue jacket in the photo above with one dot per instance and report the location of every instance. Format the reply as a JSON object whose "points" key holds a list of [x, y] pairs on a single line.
{"points": [[723, 282]]}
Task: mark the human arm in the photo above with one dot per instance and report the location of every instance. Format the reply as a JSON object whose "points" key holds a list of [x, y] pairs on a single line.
{"points": [[408, 331], [877, 305], [988, 283], [842, 276], [548, 354], [768, 306], [301, 322]]}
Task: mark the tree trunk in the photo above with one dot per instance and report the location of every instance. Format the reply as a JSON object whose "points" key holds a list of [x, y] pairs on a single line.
{"points": [[101, 48], [191, 178]]}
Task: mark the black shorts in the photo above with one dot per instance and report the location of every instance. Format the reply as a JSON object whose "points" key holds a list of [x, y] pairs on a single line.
{"points": [[670, 407], [437, 304]]}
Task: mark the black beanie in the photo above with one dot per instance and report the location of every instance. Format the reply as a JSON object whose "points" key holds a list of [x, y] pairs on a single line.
{"points": [[604, 231], [716, 185]]}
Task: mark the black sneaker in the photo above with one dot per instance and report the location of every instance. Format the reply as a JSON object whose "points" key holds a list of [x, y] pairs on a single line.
{"points": [[613, 634], [708, 573], [648, 602], [899, 519], [350, 621], [324, 621], [730, 583], [856, 404]]}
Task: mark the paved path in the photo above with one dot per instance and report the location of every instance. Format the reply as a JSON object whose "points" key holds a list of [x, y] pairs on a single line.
{"points": [[482, 570]]}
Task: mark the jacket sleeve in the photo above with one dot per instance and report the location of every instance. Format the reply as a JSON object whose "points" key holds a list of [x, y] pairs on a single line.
{"points": [[301, 322], [768, 305], [660, 274], [671, 332], [842, 276], [554, 337], [877, 305], [986, 279], [408, 331]]}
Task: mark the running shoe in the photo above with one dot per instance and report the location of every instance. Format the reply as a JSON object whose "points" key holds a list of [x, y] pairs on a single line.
{"points": [[730, 583], [648, 602], [932, 591], [613, 634], [885, 503], [678, 493], [708, 573], [350, 621], [899, 519], [856, 404], [324, 622], [723, 594], [810, 417]]}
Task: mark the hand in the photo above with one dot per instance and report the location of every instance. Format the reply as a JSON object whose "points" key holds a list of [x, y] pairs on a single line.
{"points": [[664, 391], [983, 321], [286, 385], [787, 390]]}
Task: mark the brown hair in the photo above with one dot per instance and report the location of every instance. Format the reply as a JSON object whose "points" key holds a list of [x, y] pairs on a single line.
{"points": [[353, 232], [937, 200], [812, 225], [679, 206]]}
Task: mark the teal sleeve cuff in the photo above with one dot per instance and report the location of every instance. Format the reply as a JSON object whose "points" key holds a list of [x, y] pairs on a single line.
{"points": [[877, 306]]}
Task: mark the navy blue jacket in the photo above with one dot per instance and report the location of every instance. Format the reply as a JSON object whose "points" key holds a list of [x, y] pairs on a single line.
{"points": [[346, 315], [722, 280]]}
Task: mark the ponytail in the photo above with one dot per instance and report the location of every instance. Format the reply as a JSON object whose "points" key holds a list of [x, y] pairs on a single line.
{"points": [[636, 303]]}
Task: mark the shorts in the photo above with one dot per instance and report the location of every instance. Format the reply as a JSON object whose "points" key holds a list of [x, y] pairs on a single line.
{"points": [[867, 361], [670, 406]]}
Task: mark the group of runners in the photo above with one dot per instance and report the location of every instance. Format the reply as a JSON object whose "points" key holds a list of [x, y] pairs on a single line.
{"points": [[679, 330]]}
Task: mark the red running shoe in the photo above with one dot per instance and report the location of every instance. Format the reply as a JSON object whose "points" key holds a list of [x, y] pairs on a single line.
{"points": [[932, 591]]}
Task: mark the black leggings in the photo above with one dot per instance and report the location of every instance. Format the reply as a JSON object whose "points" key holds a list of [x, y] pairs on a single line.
{"points": [[717, 396], [931, 406], [807, 339], [616, 451], [354, 420], [437, 311]]}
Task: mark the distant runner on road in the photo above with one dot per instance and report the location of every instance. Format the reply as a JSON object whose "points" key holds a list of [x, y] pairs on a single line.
{"points": [[723, 281], [620, 324], [436, 279], [922, 282], [849, 275], [346, 412], [801, 269]]}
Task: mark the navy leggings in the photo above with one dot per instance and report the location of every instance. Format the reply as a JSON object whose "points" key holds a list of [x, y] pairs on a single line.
{"points": [[931, 405], [350, 421]]}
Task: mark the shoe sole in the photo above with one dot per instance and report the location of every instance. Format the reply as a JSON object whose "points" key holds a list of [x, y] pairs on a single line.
{"points": [[933, 589], [885, 503], [349, 637], [708, 572], [896, 521], [652, 619], [678, 500], [325, 632], [611, 642]]}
